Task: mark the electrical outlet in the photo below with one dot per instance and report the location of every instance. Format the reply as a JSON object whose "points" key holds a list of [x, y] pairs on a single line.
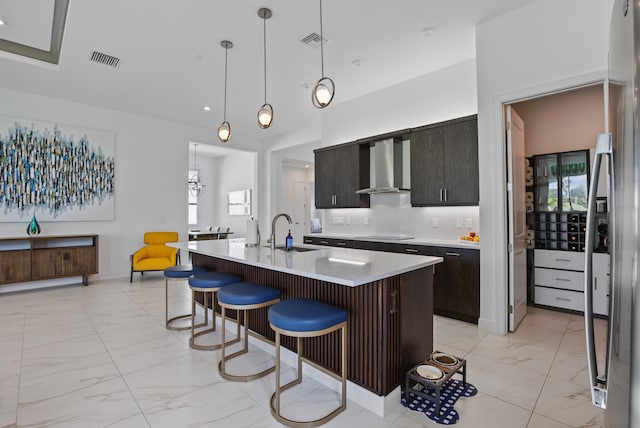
{"points": [[338, 220], [434, 222], [366, 221], [459, 222], [348, 220], [163, 220], [469, 222]]}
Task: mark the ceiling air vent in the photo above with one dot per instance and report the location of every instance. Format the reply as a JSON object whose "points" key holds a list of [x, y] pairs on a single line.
{"points": [[105, 59], [313, 40]]}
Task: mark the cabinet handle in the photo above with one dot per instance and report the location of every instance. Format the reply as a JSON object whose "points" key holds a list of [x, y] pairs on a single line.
{"points": [[411, 250], [563, 279], [441, 194], [595, 282], [452, 254], [394, 302], [341, 243], [446, 195], [564, 299], [324, 242], [563, 260]]}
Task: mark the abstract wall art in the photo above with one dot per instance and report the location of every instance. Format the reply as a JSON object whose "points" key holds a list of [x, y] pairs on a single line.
{"points": [[61, 173]]}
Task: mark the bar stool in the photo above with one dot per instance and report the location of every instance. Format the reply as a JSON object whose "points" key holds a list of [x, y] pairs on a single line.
{"points": [[177, 273], [307, 318], [208, 283], [243, 296]]}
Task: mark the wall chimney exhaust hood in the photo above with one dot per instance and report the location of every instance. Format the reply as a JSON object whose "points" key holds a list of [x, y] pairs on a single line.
{"points": [[387, 171]]}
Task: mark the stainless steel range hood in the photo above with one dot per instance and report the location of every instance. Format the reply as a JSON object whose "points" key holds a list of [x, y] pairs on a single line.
{"points": [[387, 172]]}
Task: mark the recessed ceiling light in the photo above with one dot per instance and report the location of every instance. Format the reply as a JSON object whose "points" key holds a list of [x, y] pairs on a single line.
{"points": [[427, 31], [1, 22], [207, 108], [306, 166]]}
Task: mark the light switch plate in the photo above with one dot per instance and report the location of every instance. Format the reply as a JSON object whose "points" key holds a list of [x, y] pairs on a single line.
{"points": [[434, 222], [338, 220], [459, 222], [469, 222]]}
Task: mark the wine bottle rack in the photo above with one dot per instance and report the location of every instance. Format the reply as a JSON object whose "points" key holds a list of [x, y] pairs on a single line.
{"points": [[563, 231]]}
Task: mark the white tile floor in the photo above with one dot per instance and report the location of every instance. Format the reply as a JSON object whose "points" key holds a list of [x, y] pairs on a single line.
{"points": [[100, 356]]}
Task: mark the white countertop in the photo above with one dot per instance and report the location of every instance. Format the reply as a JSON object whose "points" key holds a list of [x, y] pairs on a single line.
{"points": [[455, 243], [345, 266]]}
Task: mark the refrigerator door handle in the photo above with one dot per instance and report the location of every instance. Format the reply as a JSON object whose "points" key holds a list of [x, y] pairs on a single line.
{"points": [[598, 384]]}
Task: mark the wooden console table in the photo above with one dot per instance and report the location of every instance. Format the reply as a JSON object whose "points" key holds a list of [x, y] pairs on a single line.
{"points": [[48, 257]]}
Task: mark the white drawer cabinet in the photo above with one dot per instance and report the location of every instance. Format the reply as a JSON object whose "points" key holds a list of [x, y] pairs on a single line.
{"points": [[573, 300], [559, 280]]}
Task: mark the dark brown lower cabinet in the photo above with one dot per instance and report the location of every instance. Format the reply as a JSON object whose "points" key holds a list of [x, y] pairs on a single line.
{"points": [[456, 284]]}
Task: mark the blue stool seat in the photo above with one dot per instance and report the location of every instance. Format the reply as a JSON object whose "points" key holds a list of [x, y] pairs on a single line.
{"points": [[305, 315], [176, 273], [247, 293], [209, 283], [213, 279], [242, 297], [183, 271]]}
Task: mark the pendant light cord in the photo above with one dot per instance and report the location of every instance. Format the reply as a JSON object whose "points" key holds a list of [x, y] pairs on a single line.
{"points": [[264, 39], [321, 43], [226, 51]]}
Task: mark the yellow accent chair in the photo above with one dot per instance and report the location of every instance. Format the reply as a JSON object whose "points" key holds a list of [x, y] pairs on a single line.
{"points": [[155, 256]]}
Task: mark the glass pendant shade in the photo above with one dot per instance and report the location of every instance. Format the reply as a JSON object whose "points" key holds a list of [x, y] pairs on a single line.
{"points": [[224, 132], [195, 186], [323, 92], [265, 116]]}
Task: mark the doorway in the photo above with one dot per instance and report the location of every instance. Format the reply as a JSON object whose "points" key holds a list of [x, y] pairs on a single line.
{"points": [[559, 122], [295, 195]]}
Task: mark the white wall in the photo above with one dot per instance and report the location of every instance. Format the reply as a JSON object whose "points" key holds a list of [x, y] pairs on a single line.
{"points": [[435, 97], [234, 172], [545, 46], [150, 174]]}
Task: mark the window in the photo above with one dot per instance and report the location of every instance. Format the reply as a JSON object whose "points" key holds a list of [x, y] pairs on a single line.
{"points": [[192, 200]]}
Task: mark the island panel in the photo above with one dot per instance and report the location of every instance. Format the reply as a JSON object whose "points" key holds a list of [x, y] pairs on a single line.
{"points": [[390, 321]]}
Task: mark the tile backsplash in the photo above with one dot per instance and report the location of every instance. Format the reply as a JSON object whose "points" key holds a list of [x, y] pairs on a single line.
{"points": [[392, 214]]}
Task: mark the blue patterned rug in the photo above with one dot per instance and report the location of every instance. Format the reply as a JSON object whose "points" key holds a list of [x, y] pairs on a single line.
{"points": [[450, 393]]}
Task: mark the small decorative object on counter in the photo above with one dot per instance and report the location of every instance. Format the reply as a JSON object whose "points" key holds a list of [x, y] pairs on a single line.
{"points": [[34, 227], [288, 241]]}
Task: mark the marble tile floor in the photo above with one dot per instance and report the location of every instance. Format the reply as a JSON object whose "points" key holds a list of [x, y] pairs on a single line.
{"points": [[99, 356]]}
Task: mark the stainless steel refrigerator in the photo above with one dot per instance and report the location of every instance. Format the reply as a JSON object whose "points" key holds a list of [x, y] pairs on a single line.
{"points": [[615, 383]]}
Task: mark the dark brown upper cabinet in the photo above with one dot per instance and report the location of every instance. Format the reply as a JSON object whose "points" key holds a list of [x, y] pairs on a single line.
{"points": [[340, 171], [444, 163]]}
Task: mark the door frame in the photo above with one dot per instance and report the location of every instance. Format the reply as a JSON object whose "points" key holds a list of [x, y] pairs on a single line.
{"points": [[500, 323]]}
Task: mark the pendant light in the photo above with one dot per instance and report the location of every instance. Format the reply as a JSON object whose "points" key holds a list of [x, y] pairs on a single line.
{"points": [[265, 114], [324, 89], [195, 185], [224, 131]]}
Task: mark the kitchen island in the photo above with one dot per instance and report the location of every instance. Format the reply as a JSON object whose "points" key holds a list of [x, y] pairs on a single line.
{"points": [[388, 298]]}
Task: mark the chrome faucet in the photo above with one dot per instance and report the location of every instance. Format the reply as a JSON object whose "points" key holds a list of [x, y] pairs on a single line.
{"points": [[273, 228]]}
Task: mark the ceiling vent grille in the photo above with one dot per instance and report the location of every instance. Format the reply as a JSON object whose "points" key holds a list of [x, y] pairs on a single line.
{"points": [[105, 59], [313, 40]]}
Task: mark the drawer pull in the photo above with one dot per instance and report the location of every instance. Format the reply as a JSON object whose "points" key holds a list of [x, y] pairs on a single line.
{"points": [[563, 260], [453, 254], [324, 242], [411, 250], [341, 243], [564, 299], [563, 279]]}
